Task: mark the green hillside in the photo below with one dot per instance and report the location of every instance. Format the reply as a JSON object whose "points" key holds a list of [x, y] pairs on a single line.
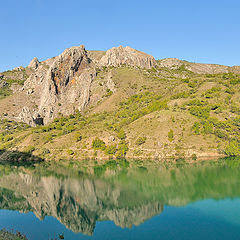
{"points": [[158, 113]]}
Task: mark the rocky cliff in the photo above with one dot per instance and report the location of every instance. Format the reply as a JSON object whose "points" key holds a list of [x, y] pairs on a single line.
{"points": [[63, 84], [127, 56], [67, 83]]}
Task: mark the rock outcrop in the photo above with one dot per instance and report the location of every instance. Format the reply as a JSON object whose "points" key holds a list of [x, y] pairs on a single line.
{"points": [[200, 68], [118, 56], [34, 64], [61, 84], [65, 84]]}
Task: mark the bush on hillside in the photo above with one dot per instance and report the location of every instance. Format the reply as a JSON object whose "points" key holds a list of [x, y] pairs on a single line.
{"points": [[98, 144]]}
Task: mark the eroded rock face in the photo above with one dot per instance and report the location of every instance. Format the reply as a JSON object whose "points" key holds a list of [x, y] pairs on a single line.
{"points": [[61, 84], [67, 84], [34, 64], [26, 116], [127, 56]]}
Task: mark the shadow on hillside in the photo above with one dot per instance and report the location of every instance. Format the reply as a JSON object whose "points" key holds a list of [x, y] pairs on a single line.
{"points": [[18, 158]]}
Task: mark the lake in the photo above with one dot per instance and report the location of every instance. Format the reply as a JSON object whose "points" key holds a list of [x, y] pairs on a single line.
{"points": [[122, 200]]}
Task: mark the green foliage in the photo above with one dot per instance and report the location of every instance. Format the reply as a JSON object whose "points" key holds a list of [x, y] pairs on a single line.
{"points": [[98, 144], [141, 140], [70, 151], [235, 81], [219, 133], [121, 134], [194, 157], [201, 112], [45, 151], [170, 135], [99, 170], [233, 148], [29, 149], [5, 91], [111, 150], [207, 127], [211, 92], [196, 128], [181, 95], [122, 150], [197, 102], [109, 93], [47, 138], [78, 137]]}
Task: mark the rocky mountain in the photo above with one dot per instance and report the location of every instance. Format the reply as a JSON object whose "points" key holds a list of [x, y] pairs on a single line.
{"points": [[63, 84], [166, 104]]}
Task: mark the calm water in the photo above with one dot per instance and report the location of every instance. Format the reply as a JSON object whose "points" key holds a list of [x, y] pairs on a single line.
{"points": [[185, 202]]}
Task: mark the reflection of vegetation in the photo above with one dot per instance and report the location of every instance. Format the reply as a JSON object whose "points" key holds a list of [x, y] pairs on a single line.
{"points": [[119, 164], [19, 158], [136, 192]]}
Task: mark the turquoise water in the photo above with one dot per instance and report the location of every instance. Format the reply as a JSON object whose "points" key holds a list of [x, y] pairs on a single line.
{"points": [[197, 202]]}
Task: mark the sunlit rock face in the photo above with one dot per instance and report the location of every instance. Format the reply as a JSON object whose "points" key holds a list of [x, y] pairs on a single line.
{"points": [[68, 84], [118, 56], [61, 85]]}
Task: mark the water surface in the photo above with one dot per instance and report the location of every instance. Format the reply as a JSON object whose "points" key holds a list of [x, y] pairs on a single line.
{"points": [[122, 201]]}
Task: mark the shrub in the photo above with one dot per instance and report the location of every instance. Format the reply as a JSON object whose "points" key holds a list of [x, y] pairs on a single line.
{"points": [[99, 170], [219, 133], [78, 137], [233, 148], [170, 135], [235, 81], [98, 144], [194, 157], [141, 140], [109, 93], [70, 152], [196, 128], [29, 149], [207, 127], [121, 134], [122, 150], [47, 138], [202, 112], [111, 150]]}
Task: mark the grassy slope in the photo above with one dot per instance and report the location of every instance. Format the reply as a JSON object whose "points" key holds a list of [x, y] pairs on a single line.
{"points": [[151, 114]]}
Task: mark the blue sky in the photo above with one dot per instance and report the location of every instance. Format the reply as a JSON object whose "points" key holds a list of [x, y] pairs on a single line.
{"points": [[198, 31]]}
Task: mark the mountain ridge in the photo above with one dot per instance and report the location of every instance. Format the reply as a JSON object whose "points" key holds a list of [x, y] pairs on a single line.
{"points": [[186, 107]]}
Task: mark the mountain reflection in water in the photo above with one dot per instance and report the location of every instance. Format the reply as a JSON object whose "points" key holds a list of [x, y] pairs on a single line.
{"points": [[127, 197]]}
